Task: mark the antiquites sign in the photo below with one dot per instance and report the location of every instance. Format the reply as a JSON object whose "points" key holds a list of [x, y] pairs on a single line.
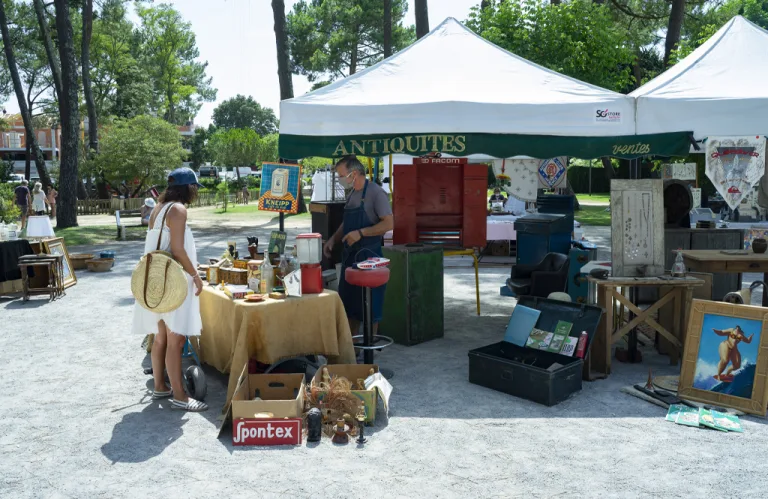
{"points": [[407, 144]]}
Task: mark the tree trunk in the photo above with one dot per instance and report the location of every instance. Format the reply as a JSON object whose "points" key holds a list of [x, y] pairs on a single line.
{"points": [[66, 214], [674, 27], [284, 71], [45, 34], [29, 132], [422, 18], [27, 160], [387, 28], [85, 61], [608, 169], [353, 61], [281, 41], [171, 108]]}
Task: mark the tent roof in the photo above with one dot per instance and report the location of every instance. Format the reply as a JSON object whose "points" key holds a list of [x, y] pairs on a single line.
{"points": [[454, 81], [719, 89]]}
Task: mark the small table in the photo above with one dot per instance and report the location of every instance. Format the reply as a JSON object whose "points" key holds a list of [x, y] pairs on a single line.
{"points": [[715, 261], [681, 290], [272, 330]]}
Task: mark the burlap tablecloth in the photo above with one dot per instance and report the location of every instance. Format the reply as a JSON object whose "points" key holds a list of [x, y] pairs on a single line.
{"points": [[234, 331]]}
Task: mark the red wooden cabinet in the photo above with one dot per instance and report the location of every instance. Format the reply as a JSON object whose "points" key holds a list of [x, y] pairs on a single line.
{"points": [[440, 201]]}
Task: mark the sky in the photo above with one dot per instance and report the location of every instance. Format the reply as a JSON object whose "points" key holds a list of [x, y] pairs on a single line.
{"points": [[237, 39]]}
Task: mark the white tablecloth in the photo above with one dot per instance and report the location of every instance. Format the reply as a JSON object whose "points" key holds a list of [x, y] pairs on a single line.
{"points": [[500, 228], [40, 227]]}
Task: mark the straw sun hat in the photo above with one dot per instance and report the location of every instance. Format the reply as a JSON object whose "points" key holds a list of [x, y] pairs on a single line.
{"points": [[159, 283]]}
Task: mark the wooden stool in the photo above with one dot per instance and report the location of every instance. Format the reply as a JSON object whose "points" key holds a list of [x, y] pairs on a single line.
{"points": [[53, 264]]}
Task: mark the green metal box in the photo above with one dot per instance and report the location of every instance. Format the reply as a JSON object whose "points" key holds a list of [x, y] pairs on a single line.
{"points": [[413, 302]]}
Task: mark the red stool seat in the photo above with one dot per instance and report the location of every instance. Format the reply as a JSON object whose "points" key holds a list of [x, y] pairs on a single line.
{"points": [[372, 278]]}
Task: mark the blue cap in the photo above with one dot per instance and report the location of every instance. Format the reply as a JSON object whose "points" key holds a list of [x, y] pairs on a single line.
{"points": [[183, 176]]}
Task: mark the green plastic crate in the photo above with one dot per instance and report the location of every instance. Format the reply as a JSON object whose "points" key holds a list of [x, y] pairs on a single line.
{"points": [[413, 303]]}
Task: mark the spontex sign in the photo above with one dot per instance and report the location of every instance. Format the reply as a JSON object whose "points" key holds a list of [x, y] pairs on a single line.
{"points": [[266, 431]]}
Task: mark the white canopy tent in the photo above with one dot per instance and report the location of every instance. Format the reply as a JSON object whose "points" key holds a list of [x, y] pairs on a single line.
{"points": [[719, 89], [453, 81], [454, 92]]}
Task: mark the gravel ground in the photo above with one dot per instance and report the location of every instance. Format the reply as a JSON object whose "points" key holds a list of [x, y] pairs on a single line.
{"points": [[76, 420]]}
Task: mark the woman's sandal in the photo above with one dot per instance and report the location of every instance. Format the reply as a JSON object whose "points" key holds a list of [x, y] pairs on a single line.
{"points": [[190, 405], [161, 395]]}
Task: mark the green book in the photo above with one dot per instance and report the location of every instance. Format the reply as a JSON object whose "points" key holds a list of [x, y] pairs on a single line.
{"points": [[673, 411], [539, 339], [706, 419], [688, 416], [557, 342], [563, 328], [728, 421], [277, 242]]}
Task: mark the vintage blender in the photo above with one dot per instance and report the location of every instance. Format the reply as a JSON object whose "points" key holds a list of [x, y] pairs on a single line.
{"points": [[310, 254]]}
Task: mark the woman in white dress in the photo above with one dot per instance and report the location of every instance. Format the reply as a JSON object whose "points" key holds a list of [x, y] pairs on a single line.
{"points": [[172, 329], [39, 200]]}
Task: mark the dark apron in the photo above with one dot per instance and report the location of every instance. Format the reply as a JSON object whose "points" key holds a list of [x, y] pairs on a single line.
{"points": [[367, 247]]}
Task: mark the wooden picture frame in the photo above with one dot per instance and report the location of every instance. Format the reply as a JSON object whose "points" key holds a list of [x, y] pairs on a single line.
{"points": [[704, 343], [637, 226], [57, 247]]}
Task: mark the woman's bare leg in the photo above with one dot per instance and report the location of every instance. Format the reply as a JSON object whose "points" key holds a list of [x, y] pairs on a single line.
{"points": [[173, 364], [158, 357], [735, 361]]}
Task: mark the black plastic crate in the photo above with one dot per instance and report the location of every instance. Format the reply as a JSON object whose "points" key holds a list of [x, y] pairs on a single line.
{"points": [[524, 372], [544, 223]]}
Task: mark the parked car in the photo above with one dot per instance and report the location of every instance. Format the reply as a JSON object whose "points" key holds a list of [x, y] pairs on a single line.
{"points": [[208, 172], [16, 178]]}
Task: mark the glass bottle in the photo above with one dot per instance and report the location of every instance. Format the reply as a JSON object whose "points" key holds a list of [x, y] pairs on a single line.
{"points": [[267, 275], [678, 268], [282, 267]]}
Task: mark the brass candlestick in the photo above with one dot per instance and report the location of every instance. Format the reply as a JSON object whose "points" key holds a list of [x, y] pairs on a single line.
{"points": [[361, 425]]}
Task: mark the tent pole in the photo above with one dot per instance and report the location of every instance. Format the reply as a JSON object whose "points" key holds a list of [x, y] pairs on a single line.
{"points": [[376, 170], [590, 177], [370, 169]]}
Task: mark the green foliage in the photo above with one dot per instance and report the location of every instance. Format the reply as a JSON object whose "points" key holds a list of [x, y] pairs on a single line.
{"points": [[335, 38], [310, 165], [244, 112], [6, 168], [9, 212], [142, 149], [120, 85], [200, 151], [577, 38], [168, 50], [268, 151], [235, 147]]}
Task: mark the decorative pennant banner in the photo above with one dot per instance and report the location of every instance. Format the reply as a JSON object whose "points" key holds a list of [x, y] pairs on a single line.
{"points": [[735, 165], [552, 173]]}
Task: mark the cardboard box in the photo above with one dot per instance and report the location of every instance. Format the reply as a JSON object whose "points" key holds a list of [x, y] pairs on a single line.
{"points": [[353, 372], [282, 395], [268, 431]]}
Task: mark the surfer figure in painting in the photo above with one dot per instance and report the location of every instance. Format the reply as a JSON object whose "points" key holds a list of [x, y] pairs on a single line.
{"points": [[729, 351]]}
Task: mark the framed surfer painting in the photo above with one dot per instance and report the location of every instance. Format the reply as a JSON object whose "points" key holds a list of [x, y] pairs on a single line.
{"points": [[57, 247], [726, 356]]}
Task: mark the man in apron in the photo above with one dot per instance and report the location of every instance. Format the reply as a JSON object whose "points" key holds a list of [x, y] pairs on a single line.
{"points": [[367, 217]]}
